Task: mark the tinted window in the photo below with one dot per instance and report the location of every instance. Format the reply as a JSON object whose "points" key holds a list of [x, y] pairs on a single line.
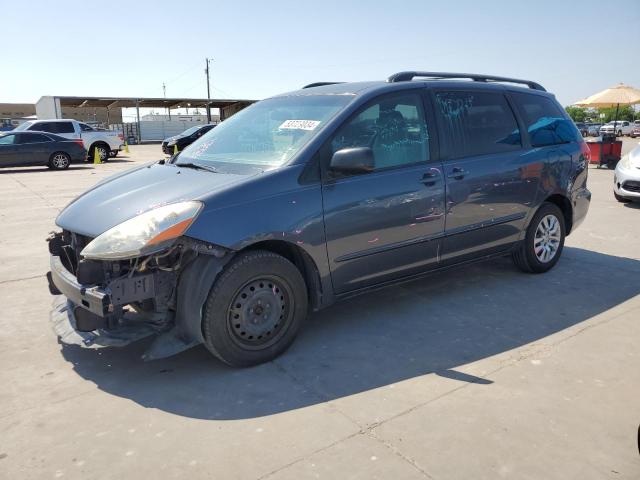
{"points": [[62, 127], [41, 127], [85, 128], [544, 120], [32, 138], [7, 139], [394, 128], [477, 123]]}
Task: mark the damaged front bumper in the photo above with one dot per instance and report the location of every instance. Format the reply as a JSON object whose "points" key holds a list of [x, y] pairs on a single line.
{"points": [[115, 310]]}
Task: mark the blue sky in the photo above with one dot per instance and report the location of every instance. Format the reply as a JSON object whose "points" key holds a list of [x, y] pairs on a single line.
{"points": [[261, 48]]}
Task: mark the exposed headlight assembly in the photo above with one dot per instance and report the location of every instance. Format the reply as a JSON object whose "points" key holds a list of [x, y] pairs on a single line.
{"points": [[147, 233]]}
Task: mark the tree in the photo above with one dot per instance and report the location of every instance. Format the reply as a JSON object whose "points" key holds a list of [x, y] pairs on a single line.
{"points": [[625, 112], [577, 114]]}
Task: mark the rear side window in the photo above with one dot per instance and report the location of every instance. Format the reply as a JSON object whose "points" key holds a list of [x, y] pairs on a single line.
{"points": [[476, 123], [544, 120], [62, 127], [53, 127], [41, 127], [32, 138], [85, 128]]}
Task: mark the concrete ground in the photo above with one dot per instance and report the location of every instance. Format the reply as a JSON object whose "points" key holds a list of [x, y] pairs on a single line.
{"points": [[480, 372]]}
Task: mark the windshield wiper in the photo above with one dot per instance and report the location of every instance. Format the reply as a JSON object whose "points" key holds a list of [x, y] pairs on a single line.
{"points": [[197, 166]]}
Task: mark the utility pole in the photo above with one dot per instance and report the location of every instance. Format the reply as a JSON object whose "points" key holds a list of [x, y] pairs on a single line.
{"points": [[164, 94], [206, 70]]}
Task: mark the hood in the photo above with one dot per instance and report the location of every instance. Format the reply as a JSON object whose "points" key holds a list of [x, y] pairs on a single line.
{"points": [[126, 195]]}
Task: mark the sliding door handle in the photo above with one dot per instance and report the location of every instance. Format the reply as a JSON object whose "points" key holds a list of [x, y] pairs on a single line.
{"points": [[457, 173], [431, 177]]}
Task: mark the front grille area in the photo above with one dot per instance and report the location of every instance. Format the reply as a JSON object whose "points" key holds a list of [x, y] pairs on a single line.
{"points": [[631, 186], [73, 243]]}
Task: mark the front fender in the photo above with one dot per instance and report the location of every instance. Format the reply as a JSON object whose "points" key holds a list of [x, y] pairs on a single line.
{"points": [[293, 215]]}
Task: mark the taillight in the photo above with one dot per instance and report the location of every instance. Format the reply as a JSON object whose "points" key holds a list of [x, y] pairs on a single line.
{"points": [[79, 142], [121, 137], [585, 152]]}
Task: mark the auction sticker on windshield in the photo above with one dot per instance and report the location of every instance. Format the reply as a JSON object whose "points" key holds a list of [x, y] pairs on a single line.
{"points": [[299, 124]]}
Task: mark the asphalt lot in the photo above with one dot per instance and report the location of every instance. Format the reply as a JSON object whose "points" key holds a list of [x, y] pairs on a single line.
{"points": [[481, 372]]}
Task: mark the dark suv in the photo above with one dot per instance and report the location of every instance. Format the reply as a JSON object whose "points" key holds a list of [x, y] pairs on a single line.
{"points": [[314, 196], [184, 139]]}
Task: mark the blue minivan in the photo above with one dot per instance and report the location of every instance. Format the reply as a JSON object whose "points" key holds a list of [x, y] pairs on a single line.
{"points": [[314, 196]]}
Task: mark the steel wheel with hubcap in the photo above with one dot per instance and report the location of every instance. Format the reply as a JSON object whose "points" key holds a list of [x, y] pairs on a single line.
{"points": [[60, 161], [543, 242], [254, 309]]}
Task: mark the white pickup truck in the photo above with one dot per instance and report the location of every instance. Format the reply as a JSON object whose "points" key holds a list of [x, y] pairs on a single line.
{"points": [[108, 143], [622, 127]]}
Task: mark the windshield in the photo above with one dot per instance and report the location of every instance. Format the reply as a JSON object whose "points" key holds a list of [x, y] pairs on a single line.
{"points": [[266, 134], [23, 126], [191, 130]]}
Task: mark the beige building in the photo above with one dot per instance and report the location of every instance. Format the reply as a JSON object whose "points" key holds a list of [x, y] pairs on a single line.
{"points": [[17, 110], [84, 114]]}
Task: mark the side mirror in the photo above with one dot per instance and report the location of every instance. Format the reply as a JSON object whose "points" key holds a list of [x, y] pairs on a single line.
{"points": [[353, 160]]}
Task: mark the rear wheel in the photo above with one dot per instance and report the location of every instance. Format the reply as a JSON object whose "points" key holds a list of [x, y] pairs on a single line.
{"points": [[103, 152], [543, 242], [59, 161], [254, 309]]}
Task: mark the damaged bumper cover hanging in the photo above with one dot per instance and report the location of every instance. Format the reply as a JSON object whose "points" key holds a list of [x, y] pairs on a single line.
{"points": [[115, 311]]}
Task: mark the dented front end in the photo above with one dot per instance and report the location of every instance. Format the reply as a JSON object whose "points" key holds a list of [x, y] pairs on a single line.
{"points": [[115, 302]]}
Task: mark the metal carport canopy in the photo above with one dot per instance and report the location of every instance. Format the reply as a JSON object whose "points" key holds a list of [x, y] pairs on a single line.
{"points": [[146, 102]]}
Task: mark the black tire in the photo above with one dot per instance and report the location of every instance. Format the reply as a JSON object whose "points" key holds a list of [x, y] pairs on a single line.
{"points": [[525, 256], [619, 133], [621, 199], [59, 161], [113, 153], [254, 309], [103, 150]]}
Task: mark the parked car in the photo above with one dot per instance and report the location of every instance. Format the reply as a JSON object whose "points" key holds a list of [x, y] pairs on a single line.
{"points": [[626, 179], [622, 127], [582, 128], [20, 149], [593, 129], [185, 138], [635, 131], [315, 196], [108, 143]]}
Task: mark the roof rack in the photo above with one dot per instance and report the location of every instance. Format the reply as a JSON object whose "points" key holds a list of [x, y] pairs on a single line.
{"points": [[321, 84], [408, 76]]}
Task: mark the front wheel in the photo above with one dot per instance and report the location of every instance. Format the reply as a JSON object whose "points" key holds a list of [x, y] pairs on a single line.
{"points": [[254, 309], [543, 242], [113, 153], [59, 161]]}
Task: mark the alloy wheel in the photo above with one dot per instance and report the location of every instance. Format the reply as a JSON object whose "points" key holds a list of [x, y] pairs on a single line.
{"points": [[547, 238], [60, 160]]}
